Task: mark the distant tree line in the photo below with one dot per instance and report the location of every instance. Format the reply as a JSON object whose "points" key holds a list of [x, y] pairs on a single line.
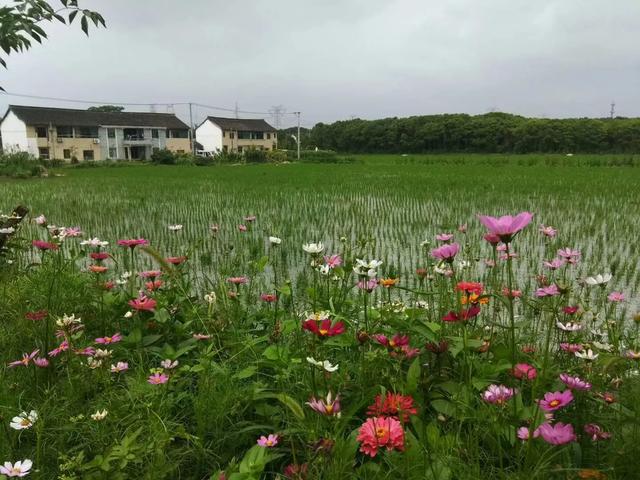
{"points": [[488, 133]]}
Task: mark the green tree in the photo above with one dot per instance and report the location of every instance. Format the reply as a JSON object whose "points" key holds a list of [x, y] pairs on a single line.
{"points": [[20, 23]]}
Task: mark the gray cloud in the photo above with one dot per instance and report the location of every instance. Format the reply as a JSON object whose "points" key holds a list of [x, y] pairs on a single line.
{"points": [[334, 59]]}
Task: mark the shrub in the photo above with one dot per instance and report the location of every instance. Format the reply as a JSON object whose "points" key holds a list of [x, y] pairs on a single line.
{"points": [[163, 157], [21, 165], [254, 155]]}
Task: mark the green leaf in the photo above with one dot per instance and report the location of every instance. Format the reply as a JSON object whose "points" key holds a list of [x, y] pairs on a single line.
{"points": [[413, 376], [246, 372], [293, 405], [150, 339]]}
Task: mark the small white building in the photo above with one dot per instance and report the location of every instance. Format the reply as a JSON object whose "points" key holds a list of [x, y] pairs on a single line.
{"points": [[219, 134]]}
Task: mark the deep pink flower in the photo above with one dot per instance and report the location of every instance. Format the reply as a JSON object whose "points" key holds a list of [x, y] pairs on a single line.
{"points": [[324, 328], [571, 347], [42, 245], [269, 297], [553, 401], [115, 338], [570, 310], [36, 316], [464, 314], [380, 432], [497, 394], [333, 261], [268, 441], [237, 280], [554, 264], [157, 379], [398, 345], [41, 362], [557, 434], [132, 243], [616, 297], [492, 239], [506, 227], [446, 252], [63, 347], [150, 274], [574, 383], [596, 432], [143, 303], [549, 291], [524, 371], [26, 359]]}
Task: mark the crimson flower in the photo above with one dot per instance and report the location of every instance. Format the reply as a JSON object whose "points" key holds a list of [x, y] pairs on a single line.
{"points": [[324, 328], [143, 303], [42, 245], [393, 405], [176, 260], [133, 242], [470, 287], [35, 316], [464, 314]]}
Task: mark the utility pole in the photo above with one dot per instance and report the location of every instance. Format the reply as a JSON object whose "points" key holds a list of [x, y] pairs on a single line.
{"points": [[277, 111], [613, 109], [298, 115], [236, 110], [191, 132]]}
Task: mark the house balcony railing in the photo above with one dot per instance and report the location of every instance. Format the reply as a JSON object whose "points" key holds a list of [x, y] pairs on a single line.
{"points": [[137, 140]]}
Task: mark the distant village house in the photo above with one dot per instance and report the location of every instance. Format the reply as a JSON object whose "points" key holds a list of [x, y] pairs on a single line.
{"points": [[64, 133], [218, 134]]}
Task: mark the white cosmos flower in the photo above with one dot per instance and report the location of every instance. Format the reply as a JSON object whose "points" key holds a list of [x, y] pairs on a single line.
{"points": [[365, 268], [587, 355], [600, 279], [463, 264], [324, 269], [94, 242], [569, 326], [175, 228], [210, 298], [24, 420], [326, 364], [100, 415], [425, 243], [7, 231], [40, 220], [603, 346], [275, 240], [129, 314], [68, 321], [168, 364], [18, 469], [313, 248]]}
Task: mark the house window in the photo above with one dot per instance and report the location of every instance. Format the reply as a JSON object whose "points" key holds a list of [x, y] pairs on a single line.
{"points": [[64, 132], [225, 148], [268, 136], [111, 132], [178, 133], [87, 132], [179, 152], [66, 153], [239, 149], [224, 134], [155, 133], [87, 154], [43, 152], [113, 152], [41, 132], [231, 134]]}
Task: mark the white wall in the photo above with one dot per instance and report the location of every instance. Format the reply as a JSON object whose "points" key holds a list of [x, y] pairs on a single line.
{"points": [[14, 136], [209, 135]]}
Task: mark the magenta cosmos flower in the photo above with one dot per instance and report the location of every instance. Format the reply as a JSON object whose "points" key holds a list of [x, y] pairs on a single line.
{"points": [[26, 359], [133, 242], [115, 338], [506, 227], [596, 432], [444, 237], [524, 371], [326, 406], [333, 261], [42, 245], [324, 328], [269, 441], [497, 394], [143, 303], [553, 401], [157, 379], [557, 434], [574, 383], [446, 252]]}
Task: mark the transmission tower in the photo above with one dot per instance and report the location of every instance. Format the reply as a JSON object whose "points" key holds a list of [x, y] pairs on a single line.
{"points": [[277, 111]]}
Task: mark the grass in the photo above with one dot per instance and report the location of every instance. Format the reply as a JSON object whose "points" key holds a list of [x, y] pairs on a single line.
{"points": [[249, 377]]}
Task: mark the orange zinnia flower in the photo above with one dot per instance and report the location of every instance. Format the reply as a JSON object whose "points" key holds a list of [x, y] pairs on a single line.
{"points": [[388, 282]]}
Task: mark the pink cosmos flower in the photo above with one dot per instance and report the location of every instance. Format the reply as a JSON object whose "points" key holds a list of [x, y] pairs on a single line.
{"points": [[333, 261], [380, 432], [133, 243], [115, 338], [524, 433], [574, 383], [524, 371], [42, 245], [571, 256], [21, 468], [497, 394], [269, 441], [87, 351], [324, 328], [63, 347], [119, 367], [446, 252], [548, 231], [554, 264], [268, 297], [398, 345], [368, 285], [464, 314], [492, 239], [553, 401], [444, 237], [506, 227], [72, 232], [41, 362], [571, 347], [549, 291], [26, 359], [595, 432], [143, 303], [557, 434], [326, 406], [616, 297], [242, 228], [157, 379], [237, 280]]}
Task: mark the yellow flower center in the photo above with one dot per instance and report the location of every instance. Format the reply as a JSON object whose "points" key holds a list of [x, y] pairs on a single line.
{"points": [[554, 403], [323, 331], [381, 432], [25, 422]]}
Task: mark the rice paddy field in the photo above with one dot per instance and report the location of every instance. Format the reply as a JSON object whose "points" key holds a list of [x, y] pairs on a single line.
{"points": [[307, 321]]}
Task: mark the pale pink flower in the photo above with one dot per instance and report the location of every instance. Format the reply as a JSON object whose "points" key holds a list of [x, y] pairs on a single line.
{"points": [[548, 231], [497, 394], [268, 441], [506, 227], [549, 291], [616, 297], [157, 379]]}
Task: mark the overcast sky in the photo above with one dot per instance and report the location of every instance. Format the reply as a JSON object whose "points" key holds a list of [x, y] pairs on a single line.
{"points": [[337, 59]]}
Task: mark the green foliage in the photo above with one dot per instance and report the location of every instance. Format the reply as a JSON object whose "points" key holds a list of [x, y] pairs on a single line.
{"points": [[21, 165], [164, 157]]}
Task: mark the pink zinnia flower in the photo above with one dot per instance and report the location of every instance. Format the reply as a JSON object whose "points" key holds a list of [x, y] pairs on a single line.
{"points": [[549, 291], [553, 401], [574, 383], [242, 228], [157, 379], [176, 260], [368, 285], [444, 237], [26, 359], [557, 434], [524, 371], [143, 303], [554, 264], [548, 231], [497, 394], [269, 441], [333, 261], [506, 227], [237, 280], [380, 432], [269, 297], [326, 406], [150, 274], [596, 432], [571, 347], [616, 297], [42, 245], [132, 243], [98, 255], [115, 338], [446, 252]]}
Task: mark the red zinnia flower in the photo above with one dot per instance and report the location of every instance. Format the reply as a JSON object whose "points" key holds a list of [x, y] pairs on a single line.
{"points": [[380, 432], [143, 303], [393, 405], [99, 255], [35, 316], [470, 287], [42, 245]]}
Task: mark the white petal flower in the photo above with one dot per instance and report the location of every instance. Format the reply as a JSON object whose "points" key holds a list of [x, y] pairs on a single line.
{"points": [[18, 469], [275, 240], [94, 242], [600, 279], [24, 420], [313, 248], [175, 228], [326, 364], [7, 231], [569, 326], [99, 415], [587, 355]]}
